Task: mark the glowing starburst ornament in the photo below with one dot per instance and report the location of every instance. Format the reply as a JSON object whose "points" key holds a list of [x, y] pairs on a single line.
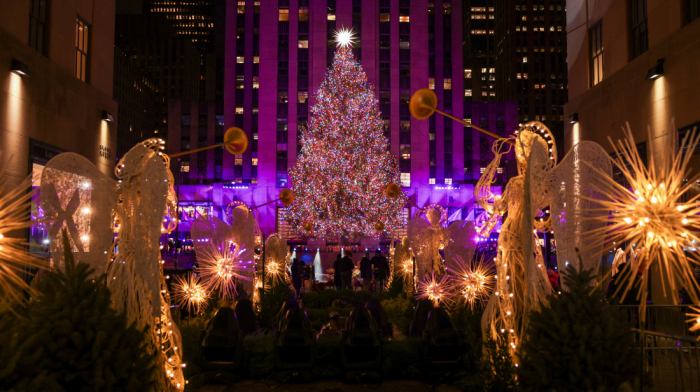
{"points": [[14, 257], [275, 273], [344, 37], [474, 281], [220, 266], [190, 293], [437, 289], [694, 319], [653, 215]]}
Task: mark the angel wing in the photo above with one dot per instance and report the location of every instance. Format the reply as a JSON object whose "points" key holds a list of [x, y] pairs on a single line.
{"points": [[460, 242], [573, 209]]}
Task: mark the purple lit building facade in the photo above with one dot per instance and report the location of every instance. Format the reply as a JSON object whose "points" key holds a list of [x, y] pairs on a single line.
{"points": [[276, 56]]}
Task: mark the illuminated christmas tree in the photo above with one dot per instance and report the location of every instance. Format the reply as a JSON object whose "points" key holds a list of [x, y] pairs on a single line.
{"points": [[340, 177]]}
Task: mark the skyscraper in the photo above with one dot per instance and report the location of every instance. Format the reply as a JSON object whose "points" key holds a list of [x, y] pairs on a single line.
{"points": [[137, 98], [479, 50], [171, 62], [531, 59], [277, 53]]}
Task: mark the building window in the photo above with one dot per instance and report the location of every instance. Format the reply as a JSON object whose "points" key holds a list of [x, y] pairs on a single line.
{"points": [[447, 83], [468, 93], [448, 181], [185, 167], [431, 83], [404, 18], [691, 10], [303, 14], [281, 180], [82, 45], [284, 15], [406, 180], [37, 26], [595, 35], [405, 151], [468, 73], [639, 42], [302, 96], [431, 181]]}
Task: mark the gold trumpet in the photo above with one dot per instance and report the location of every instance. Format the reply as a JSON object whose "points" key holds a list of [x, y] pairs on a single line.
{"points": [[286, 197], [424, 103], [235, 141]]}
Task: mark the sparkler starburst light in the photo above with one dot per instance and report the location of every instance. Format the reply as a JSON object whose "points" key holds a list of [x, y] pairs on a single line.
{"points": [[474, 281], [190, 293], [14, 204], [345, 37], [435, 288], [653, 215], [221, 265], [694, 319]]}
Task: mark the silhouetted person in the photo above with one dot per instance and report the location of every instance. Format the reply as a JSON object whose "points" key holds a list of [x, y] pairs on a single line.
{"points": [[346, 270], [336, 276], [245, 313], [366, 271], [297, 274], [381, 269]]}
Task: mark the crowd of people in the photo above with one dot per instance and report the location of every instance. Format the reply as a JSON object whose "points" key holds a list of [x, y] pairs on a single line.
{"points": [[373, 272]]}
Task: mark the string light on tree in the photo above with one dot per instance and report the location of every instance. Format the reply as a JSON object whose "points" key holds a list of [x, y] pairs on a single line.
{"points": [[344, 168]]}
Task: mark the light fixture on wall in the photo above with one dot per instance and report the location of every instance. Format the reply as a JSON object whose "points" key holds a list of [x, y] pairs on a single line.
{"points": [[19, 68], [107, 116], [656, 71], [573, 119]]}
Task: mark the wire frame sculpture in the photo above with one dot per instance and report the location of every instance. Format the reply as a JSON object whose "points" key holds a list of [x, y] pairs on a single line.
{"points": [[138, 207], [522, 283]]}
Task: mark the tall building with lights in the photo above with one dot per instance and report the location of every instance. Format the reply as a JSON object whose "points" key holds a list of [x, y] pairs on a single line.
{"points": [[171, 62], [277, 53], [137, 98], [478, 50], [531, 61]]}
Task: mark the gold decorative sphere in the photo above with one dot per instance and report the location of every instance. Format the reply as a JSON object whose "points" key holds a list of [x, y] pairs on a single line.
{"points": [[393, 190], [287, 197], [235, 141], [308, 226], [379, 226], [423, 103]]}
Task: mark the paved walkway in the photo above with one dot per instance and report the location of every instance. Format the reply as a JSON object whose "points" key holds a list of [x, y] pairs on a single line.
{"points": [[326, 386]]}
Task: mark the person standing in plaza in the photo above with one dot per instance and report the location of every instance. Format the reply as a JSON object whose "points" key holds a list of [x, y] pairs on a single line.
{"points": [[336, 275], [346, 270], [366, 271], [381, 269]]}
